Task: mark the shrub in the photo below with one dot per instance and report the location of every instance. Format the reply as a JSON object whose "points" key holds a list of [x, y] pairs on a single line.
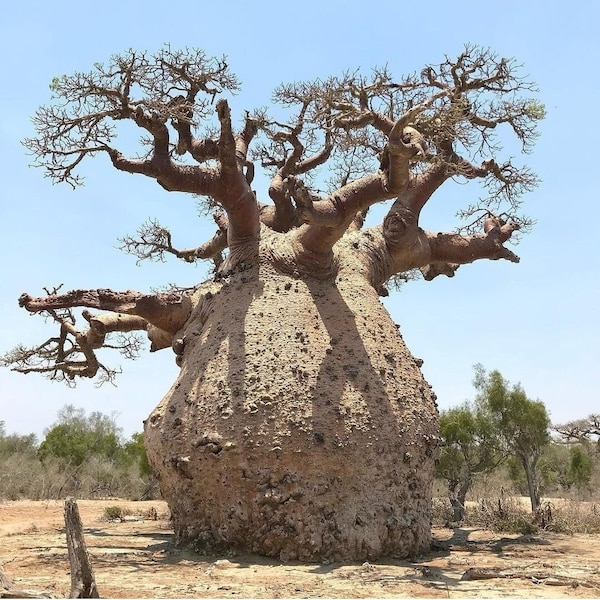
{"points": [[505, 513], [114, 513], [568, 516]]}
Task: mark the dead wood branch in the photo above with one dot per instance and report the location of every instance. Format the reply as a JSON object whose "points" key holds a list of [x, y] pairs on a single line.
{"points": [[83, 583], [482, 573]]}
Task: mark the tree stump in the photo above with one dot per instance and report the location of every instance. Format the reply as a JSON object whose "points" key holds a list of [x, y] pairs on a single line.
{"points": [[83, 583]]}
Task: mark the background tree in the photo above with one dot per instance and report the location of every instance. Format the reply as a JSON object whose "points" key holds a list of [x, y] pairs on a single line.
{"points": [[300, 426], [584, 431], [580, 467], [77, 436], [92, 458], [17, 453], [16, 444], [471, 445], [522, 423], [583, 437], [135, 449]]}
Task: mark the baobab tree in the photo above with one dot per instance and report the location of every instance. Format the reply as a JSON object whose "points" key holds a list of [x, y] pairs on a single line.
{"points": [[300, 426]]}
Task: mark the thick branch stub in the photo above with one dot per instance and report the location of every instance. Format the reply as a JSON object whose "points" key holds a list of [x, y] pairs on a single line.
{"points": [[405, 143], [400, 226], [305, 203], [399, 245], [167, 311], [432, 271], [102, 299], [235, 195], [450, 250], [227, 146]]}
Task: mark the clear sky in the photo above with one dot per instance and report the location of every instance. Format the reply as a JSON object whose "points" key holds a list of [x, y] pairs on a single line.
{"points": [[537, 322]]}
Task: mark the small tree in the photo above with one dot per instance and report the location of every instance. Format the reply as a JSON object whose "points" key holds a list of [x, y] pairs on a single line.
{"points": [[136, 451], [76, 437], [471, 445], [15, 443], [522, 423], [584, 437], [580, 467]]}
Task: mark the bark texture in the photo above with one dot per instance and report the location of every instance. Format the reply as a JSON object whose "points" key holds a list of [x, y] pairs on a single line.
{"points": [[83, 582], [300, 426]]}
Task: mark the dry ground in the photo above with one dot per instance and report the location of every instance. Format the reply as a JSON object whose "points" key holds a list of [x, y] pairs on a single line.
{"points": [[134, 558]]}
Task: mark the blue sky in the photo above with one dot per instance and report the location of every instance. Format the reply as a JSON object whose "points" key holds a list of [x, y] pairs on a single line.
{"points": [[537, 322]]}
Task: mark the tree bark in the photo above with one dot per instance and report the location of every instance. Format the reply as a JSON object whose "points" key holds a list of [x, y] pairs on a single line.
{"points": [[458, 494], [300, 426], [532, 486], [83, 583]]}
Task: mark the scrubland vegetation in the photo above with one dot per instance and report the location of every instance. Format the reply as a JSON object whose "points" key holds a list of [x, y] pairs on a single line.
{"points": [[501, 447], [497, 451], [81, 455]]}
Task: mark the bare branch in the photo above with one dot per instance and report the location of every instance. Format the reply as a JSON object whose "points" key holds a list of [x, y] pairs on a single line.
{"points": [[153, 242], [73, 353], [456, 249], [176, 89], [453, 110], [359, 125], [581, 430]]}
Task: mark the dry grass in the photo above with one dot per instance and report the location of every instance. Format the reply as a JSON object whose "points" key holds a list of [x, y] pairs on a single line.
{"points": [[571, 516], [512, 514], [25, 477]]}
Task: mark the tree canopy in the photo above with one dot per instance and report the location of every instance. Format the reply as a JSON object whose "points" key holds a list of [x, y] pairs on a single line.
{"points": [[471, 445], [377, 136], [77, 436], [523, 423]]}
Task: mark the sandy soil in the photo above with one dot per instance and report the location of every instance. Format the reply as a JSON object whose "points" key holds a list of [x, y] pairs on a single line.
{"points": [[134, 558]]}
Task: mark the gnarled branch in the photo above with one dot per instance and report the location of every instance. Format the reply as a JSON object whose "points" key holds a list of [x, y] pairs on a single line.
{"points": [[400, 245], [167, 311]]}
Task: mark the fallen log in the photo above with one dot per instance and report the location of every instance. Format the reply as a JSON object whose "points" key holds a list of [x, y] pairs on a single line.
{"points": [[475, 573], [482, 573]]}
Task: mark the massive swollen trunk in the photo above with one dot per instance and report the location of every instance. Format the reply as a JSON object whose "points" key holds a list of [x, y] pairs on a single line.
{"points": [[300, 426]]}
